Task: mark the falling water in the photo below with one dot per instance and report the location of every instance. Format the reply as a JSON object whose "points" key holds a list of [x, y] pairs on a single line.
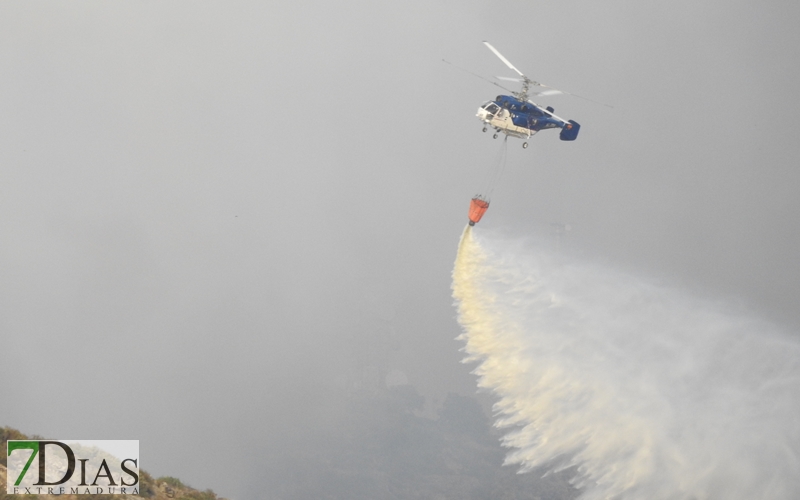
{"points": [[640, 391]]}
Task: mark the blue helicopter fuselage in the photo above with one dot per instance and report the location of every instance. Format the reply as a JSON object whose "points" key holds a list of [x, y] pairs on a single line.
{"points": [[522, 119]]}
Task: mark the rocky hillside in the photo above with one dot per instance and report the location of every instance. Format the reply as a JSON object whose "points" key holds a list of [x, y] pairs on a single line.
{"points": [[163, 488]]}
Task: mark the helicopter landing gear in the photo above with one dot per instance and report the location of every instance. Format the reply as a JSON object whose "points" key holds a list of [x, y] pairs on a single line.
{"points": [[524, 145], [494, 136], [484, 129]]}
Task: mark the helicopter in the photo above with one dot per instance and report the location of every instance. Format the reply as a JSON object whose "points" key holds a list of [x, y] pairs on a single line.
{"points": [[517, 116]]}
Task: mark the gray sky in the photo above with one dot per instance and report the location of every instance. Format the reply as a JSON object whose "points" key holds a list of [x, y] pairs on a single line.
{"points": [[209, 211]]}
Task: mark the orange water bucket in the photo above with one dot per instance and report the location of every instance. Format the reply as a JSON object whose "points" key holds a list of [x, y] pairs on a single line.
{"points": [[477, 207]]}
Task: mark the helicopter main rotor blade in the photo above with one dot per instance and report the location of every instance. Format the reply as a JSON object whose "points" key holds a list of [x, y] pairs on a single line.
{"points": [[556, 91], [526, 80], [498, 54], [552, 90], [475, 74]]}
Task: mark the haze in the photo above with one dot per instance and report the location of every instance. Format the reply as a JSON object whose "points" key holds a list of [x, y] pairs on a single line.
{"points": [[213, 216]]}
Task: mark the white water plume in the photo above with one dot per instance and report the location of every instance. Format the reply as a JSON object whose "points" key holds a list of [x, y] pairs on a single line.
{"points": [[645, 393]]}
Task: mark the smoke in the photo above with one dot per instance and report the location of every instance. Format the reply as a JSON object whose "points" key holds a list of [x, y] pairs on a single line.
{"points": [[644, 393]]}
